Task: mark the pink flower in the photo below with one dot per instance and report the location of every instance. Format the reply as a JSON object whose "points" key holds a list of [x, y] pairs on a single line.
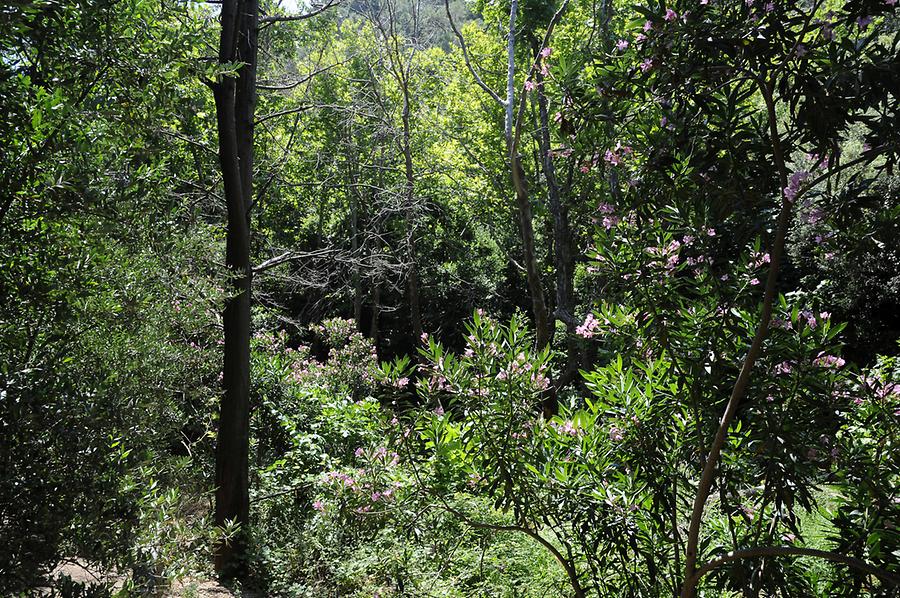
{"points": [[648, 25], [622, 44], [640, 38], [890, 2], [359, 452], [402, 382], [530, 85], [829, 361], [439, 410], [646, 65], [793, 188], [546, 52], [612, 157], [424, 337], [784, 367], [588, 327], [615, 434], [770, 6], [671, 15], [319, 506]]}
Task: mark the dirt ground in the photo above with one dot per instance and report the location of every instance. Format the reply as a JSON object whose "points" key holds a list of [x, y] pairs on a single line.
{"points": [[80, 572]]}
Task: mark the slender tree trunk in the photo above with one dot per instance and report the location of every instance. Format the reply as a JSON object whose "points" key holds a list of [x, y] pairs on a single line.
{"points": [[523, 205], [415, 309], [563, 260], [374, 331], [739, 390], [532, 270], [355, 193], [235, 101]]}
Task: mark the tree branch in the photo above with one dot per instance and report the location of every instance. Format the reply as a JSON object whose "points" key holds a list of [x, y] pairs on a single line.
{"points": [[272, 115], [266, 21], [762, 551], [291, 256], [739, 390], [304, 79], [465, 50], [518, 127]]}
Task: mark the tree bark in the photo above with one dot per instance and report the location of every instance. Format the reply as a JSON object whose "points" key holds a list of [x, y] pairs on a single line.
{"points": [[235, 101], [689, 587], [523, 205], [356, 276], [415, 309], [374, 330], [563, 260]]}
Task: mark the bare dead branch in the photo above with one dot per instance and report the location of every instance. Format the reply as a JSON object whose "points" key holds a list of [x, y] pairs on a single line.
{"points": [[272, 115], [305, 79], [266, 21], [291, 256]]}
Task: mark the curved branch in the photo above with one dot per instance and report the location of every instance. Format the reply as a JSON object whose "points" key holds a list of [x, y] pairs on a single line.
{"points": [[303, 108], [291, 256], [521, 112], [265, 21], [739, 390], [465, 51], [749, 553], [303, 80]]}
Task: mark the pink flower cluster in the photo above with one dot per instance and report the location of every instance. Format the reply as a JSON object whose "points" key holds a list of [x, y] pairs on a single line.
{"points": [[793, 187], [346, 480], [617, 155], [829, 361], [588, 327], [810, 317], [567, 428], [785, 367]]}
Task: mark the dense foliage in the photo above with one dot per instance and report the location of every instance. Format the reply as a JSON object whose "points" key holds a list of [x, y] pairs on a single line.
{"points": [[546, 298]]}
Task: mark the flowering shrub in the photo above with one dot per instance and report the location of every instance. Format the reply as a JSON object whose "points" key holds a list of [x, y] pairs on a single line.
{"points": [[608, 481], [866, 517]]}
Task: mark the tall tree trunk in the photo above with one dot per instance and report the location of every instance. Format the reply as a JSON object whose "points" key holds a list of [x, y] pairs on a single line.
{"points": [[532, 270], [374, 331], [355, 194], [523, 205], [563, 259], [235, 101], [415, 310]]}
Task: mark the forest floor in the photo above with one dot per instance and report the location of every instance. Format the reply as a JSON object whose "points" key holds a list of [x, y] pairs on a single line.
{"points": [[81, 572]]}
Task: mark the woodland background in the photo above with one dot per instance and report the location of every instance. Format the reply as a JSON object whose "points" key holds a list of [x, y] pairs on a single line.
{"points": [[412, 298]]}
